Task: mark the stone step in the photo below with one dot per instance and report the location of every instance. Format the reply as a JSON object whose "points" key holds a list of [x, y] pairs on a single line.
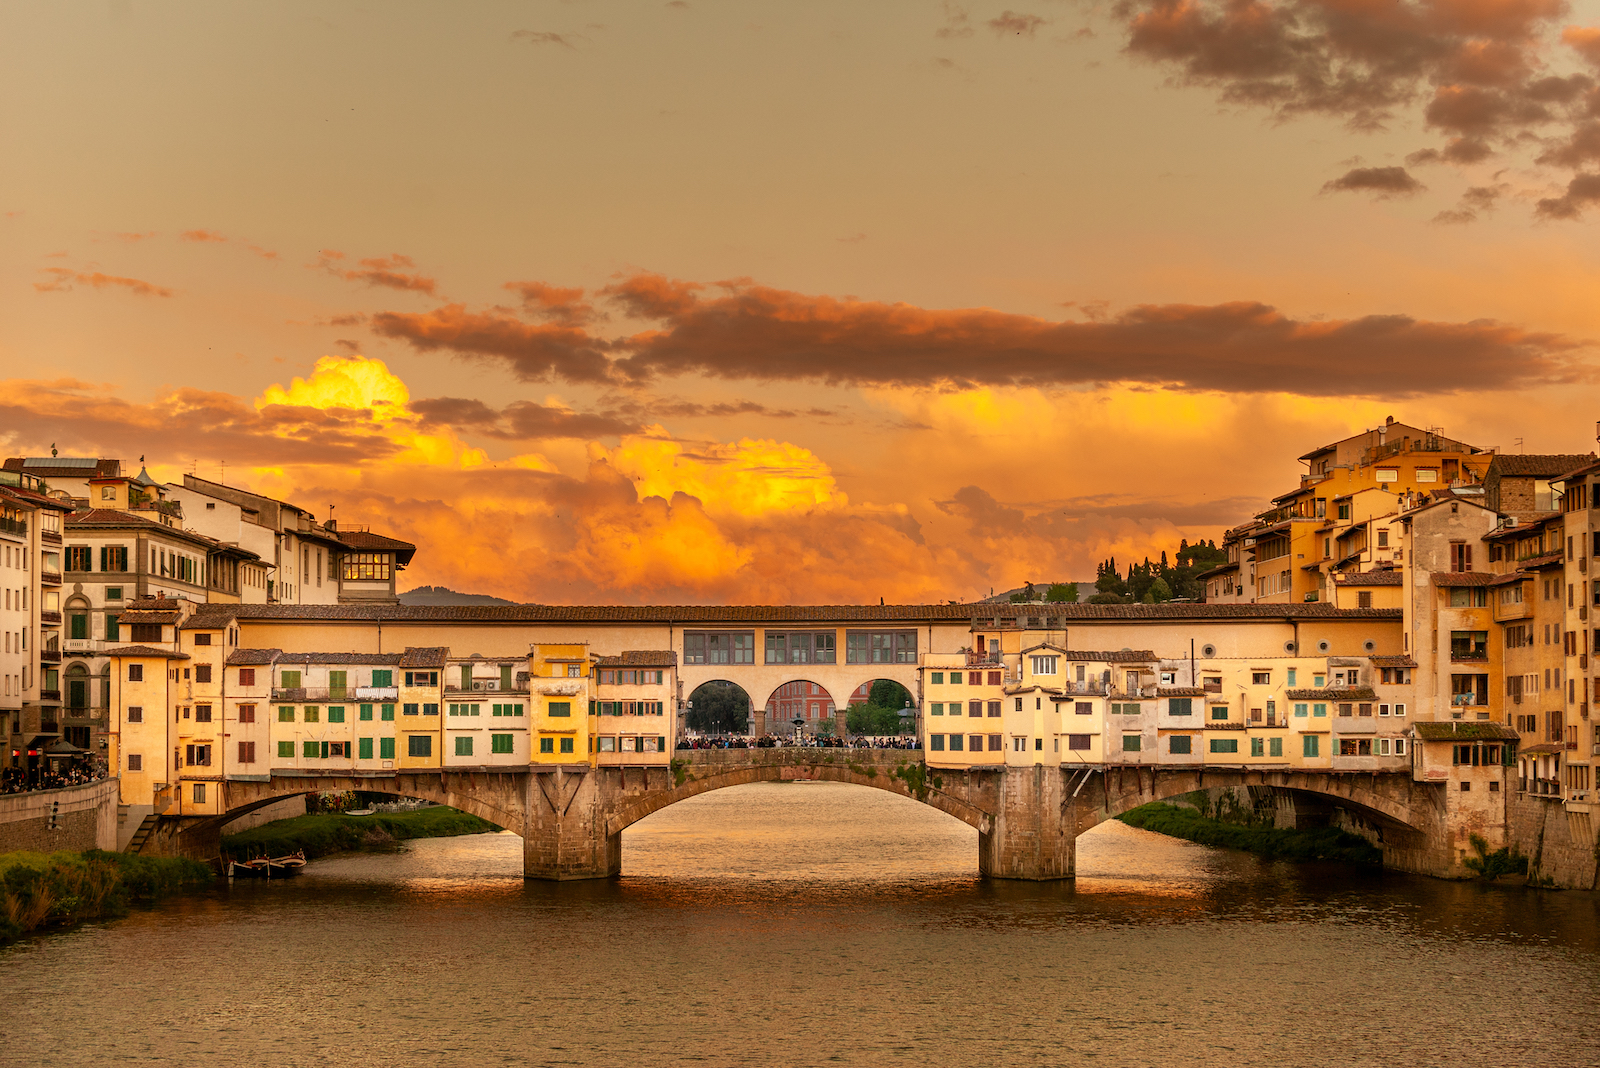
{"points": [[140, 835]]}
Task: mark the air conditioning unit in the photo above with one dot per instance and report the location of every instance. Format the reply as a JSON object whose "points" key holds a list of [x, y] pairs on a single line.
{"points": [[477, 685]]}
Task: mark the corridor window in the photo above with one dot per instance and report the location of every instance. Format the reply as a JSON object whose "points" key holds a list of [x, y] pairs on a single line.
{"points": [[803, 647], [881, 647], [719, 647]]}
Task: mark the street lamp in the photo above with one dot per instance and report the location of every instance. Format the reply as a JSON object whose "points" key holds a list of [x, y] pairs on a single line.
{"points": [[908, 717], [798, 723]]}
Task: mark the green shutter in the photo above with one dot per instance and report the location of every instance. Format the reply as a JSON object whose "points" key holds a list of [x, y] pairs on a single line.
{"points": [[366, 712], [336, 713], [387, 713], [364, 748], [285, 713], [1308, 745], [566, 745], [289, 680], [560, 708], [310, 749], [463, 746], [386, 748], [1275, 748], [336, 681], [312, 715], [286, 750], [384, 677]]}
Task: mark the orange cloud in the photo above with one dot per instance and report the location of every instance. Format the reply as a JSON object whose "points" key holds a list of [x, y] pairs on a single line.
{"points": [[211, 236], [64, 280], [386, 271]]}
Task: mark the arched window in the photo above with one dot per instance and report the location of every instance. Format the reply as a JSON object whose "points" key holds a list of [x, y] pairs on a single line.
{"points": [[77, 687]]}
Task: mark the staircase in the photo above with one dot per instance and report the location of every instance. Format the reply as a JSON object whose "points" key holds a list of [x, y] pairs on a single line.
{"points": [[142, 833]]}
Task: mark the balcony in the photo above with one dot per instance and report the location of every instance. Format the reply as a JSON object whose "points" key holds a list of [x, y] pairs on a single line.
{"points": [[322, 693], [377, 693], [50, 654], [1273, 720], [48, 616], [50, 537], [987, 659], [50, 695], [50, 578], [488, 686], [18, 527]]}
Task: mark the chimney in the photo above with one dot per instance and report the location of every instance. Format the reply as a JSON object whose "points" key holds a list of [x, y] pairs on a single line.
{"points": [[1390, 421]]}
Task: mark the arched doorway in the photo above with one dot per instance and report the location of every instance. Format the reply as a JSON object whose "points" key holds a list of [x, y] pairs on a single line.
{"points": [[804, 700], [718, 707], [875, 709]]}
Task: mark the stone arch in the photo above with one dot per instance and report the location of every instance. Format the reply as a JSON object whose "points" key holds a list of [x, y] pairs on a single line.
{"points": [[800, 698], [876, 777], [750, 706]]}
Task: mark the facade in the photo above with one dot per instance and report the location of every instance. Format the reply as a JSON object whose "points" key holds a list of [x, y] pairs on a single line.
{"points": [[30, 623]]}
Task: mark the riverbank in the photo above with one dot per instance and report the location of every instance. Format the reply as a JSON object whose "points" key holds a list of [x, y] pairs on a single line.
{"points": [[44, 890], [331, 832], [1328, 843]]}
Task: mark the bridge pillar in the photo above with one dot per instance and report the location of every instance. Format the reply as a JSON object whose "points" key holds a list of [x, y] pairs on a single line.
{"points": [[564, 834], [1032, 836]]}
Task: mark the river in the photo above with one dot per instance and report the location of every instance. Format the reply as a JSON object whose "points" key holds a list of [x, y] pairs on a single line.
{"points": [[812, 923]]}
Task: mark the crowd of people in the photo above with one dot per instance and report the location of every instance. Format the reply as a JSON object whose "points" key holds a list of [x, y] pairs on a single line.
{"points": [[44, 777], [790, 741]]}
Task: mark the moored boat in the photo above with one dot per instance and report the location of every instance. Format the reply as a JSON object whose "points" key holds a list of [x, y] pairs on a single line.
{"points": [[267, 867]]}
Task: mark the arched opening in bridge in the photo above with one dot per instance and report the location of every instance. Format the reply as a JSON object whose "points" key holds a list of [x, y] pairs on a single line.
{"points": [[718, 707], [801, 832], [802, 700], [877, 709]]}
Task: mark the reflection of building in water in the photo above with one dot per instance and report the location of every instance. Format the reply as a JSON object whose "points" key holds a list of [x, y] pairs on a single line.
{"points": [[798, 700]]}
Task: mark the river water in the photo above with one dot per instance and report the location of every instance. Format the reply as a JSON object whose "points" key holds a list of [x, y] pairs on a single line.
{"points": [[813, 923]]}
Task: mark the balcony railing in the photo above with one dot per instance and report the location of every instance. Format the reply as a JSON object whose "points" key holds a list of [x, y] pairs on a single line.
{"points": [[987, 659], [14, 526], [47, 616], [490, 686], [50, 654], [318, 693], [50, 537], [50, 578], [50, 695]]}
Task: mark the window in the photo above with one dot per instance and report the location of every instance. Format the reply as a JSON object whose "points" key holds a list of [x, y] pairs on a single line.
{"points": [[994, 708], [996, 743], [936, 742], [1275, 747], [202, 713], [974, 708], [1180, 744], [1077, 742], [956, 741], [202, 639], [419, 745], [135, 672], [369, 567], [1364, 599], [1388, 474], [289, 680], [1290, 675], [547, 745], [422, 678], [1308, 745], [364, 712], [1219, 711], [312, 714], [247, 752], [1469, 645], [1180, 706], [1261, 678], [1258, 747], [975, 742], [566, 745], [383, 677], [386, 712], [1132, 743], [336, 714], [113, 631], [135, 714], [1083, 708], [286, 750], [801, 647], [464, 746], [938, 678], [409, 709], [559, 708], [247, 676], [1319, 710], [78, 626], [311, 750], [1224, 745], [719, 647], [78, 558], [937, 709], [881, 647], [386, 748], [113, 593], [135, 762], [500, 743], [200, 792], [364, 749], [1399, 710], [1046, 665], [429, 708]]}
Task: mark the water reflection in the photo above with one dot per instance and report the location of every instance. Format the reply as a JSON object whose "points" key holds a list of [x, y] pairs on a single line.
{"points": [[794, 923]]}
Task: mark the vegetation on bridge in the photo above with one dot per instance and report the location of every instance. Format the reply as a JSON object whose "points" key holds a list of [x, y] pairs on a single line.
{"points": [[44, 890], [333, 832], [1328, 843]]}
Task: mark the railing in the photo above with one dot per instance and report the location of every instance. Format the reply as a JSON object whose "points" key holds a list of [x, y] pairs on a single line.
{"points": [[47, 616], [1462, 657], [50, 695], [1273, 720], [50, 578], [14, 526], [983, 659], [50, 654], [313, 693], [50, 536]]}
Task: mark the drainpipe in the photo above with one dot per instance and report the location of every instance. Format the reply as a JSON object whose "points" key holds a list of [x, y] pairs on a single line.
{"points": [[1192, 674]]}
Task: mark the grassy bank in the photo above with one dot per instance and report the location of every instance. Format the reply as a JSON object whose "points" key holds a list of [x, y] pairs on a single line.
{"points": [[326, 833], [42, 890], [1327, 843]]}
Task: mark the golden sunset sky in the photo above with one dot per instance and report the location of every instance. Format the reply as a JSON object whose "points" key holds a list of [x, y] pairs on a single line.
{"points": [[820, 302]]}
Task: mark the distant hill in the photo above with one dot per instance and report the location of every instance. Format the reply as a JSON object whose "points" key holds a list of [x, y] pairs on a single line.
{"points": [[1085, 591], [435, 595]]}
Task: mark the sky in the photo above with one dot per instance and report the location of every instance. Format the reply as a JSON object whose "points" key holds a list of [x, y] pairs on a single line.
{"points": [[700, 302]]}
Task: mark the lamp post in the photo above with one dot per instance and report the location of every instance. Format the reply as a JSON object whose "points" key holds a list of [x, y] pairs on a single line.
{"points": [[908, 717], [798, 723]]}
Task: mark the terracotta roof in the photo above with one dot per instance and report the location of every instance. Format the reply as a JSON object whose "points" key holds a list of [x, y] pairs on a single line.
{"points": [[1462, 578], [1460, 730], [1542, 748], [1333, 693], [384, 659], [662, 658], [425, 656], [366, 541], [27, 498], [144, 616], [757, 614], [1219, 569], [65, 466], [1369, 578], [1537, 465], [111, 519], [1404, 661], [1119, 656], [1179, 691], [252, 657], [144, 650], [1537, 563]]}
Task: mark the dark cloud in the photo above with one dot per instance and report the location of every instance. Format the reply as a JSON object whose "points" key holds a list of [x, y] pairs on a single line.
{"points": [[386, 271], [544, 37], [1582, 192], [1015, 24], [555, 303], [744, 331], [520, 421], [1476, 71], [1382, 182]]}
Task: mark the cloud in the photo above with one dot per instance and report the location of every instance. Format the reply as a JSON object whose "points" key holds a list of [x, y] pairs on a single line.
{"points": [[738, 330], [64, 280], [211, 236], [1478, 198], [956, 23], [553, 302], [385, 271], [202, 235], [1383, 182], [1582, 192], [522, 420], [1484, 74], [542, 37], [1012, 23]]}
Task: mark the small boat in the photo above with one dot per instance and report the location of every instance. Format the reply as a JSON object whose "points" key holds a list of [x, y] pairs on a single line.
{"points": [[267, 867]]}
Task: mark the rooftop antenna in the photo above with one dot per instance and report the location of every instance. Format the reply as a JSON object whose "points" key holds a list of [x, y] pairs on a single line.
{"points": [[223, 478], [1518, 443], [53, 444]]}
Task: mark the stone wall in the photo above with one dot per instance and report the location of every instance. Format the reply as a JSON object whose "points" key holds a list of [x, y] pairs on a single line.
{"points": [[72, 818], [1559, 844], [286, 809]]}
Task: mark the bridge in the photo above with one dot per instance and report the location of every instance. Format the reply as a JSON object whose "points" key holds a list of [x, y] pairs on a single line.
{"points": [[1028, 818]]}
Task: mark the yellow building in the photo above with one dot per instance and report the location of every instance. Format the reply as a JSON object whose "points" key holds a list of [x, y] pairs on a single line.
{"points": [[421, 693], [559, 681]]}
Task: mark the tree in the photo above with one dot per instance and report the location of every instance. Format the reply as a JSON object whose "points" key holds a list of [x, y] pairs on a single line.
{"points": [[1160, 591], [881, 712], [719, 708], [1108, 580], [1062, 593]]}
